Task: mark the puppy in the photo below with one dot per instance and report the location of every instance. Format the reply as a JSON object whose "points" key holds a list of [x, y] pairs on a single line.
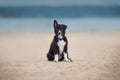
{"points": [[58, 49]]}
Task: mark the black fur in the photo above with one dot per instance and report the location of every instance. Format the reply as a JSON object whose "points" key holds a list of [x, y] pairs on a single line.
{"points": [[54, 49]]}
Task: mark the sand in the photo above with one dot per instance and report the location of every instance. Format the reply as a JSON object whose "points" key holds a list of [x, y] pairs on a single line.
{"points": [[95, 55]]}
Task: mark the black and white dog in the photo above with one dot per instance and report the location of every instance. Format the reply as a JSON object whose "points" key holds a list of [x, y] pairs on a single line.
{"points": [[58, 49]]}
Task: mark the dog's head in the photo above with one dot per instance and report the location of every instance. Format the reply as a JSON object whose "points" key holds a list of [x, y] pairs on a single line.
{"points": [[59, 29]]}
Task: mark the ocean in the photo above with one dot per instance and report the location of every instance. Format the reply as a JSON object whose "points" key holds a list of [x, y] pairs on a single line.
{"points": [[77, 18]]}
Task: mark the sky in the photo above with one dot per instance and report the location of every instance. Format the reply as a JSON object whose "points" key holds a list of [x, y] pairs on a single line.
{"points": [[59, 2]]}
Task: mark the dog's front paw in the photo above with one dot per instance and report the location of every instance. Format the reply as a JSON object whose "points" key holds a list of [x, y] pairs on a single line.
{"points": [[56, 58], [68, 60]]}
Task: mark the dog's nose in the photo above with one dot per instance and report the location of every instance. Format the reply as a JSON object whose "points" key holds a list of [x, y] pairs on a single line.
{"points": [[59, 32]]}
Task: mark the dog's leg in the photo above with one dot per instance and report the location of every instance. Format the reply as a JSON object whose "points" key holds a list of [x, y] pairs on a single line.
{"points": [[50, 57], [56, 52], [56, 58], [66, 56]]}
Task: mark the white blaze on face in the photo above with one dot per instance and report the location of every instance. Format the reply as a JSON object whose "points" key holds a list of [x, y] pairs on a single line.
{"points": [[60, 35], [59, 32]]}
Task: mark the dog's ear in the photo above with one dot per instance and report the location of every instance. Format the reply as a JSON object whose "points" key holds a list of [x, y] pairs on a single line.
{"points": [[55, 23], [65, 27]]}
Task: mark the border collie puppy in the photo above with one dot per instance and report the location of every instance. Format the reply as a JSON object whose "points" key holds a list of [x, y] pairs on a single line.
{"points": [[58, 49]]}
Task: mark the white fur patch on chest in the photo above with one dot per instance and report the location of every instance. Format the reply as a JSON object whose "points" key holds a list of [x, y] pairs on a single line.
{"points": [[61, 44]]}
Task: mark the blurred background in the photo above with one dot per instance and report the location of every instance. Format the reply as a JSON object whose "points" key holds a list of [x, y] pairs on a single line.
{"points": [[79, 15]]}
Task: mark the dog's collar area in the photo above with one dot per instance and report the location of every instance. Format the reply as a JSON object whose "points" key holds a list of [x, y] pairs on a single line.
{"points": [[59, 38]]}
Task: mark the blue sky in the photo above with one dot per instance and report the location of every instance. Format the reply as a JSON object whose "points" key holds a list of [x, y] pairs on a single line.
{"points": [[59, 2]]}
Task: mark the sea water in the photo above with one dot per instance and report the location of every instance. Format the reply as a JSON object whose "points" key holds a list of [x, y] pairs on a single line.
{"points": [[46, 24], [77, 18]]}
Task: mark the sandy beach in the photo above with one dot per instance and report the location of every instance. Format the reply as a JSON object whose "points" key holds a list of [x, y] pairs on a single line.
{"points": [[95, 55]]}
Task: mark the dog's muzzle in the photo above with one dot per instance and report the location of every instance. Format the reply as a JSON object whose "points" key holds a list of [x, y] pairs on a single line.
{"points": [[59, 33]]}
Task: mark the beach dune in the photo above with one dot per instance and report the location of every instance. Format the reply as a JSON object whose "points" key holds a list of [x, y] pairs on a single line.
{"points": [[95, 55]]}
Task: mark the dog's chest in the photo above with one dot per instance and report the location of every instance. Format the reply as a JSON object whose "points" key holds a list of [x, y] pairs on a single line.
{"points": [[61, 44]]}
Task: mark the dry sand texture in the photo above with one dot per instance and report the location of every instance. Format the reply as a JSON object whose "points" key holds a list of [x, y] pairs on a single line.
{"points": [[96, 56]]}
